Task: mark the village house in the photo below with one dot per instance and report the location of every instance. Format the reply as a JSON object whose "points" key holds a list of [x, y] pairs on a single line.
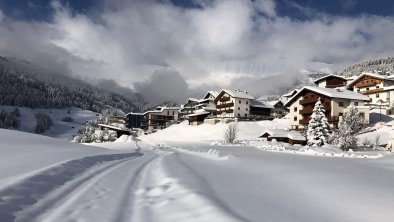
{"points": [[239, 104], [331, 81], [188, 108], [134, 120], [279, 110], [206, 108], [160, 118], [378, 87], [336, 102], [281, 135]]}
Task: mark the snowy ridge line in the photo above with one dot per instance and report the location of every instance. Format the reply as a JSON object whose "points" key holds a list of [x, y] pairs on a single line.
{"points": [[28, 192], [212, 154], [163, 198]]}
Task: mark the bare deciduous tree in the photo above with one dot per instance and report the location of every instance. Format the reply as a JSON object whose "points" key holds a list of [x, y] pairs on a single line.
{"points": [[231, 133]]}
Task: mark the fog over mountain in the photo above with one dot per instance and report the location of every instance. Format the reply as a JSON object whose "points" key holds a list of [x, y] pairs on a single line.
{"points": [[156, 47]]}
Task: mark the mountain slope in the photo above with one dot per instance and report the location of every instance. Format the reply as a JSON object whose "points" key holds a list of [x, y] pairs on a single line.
{"points": [[385, 65], [28, 85]]}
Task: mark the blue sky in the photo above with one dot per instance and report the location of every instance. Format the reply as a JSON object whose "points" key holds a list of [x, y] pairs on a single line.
{"points": [[203, 44], [296, 9]]}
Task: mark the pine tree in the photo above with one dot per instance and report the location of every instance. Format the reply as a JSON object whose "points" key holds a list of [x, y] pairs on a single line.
{"points": [[317, 133], [345, 136]]}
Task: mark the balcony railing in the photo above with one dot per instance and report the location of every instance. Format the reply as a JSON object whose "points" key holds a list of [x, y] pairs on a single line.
{"points": [[372, 91], [331, 119], [366, 84], [224, 111], [224, 105], [306, 111]]}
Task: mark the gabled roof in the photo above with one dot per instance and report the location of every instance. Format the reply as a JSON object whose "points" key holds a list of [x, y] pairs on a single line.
{"points": [[291, 93], [213, 93], [327, 76], [260, 104], [281, 133], [192, 100], [235, 94], [273, 103], [383, 77], [341, 93]]}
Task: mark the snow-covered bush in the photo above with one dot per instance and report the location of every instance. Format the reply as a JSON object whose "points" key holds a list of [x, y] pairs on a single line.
{"points": [[317, 133], [67, 119], [92, 134], [44, 122], [231, 133], [9, 120], [345, 137]]}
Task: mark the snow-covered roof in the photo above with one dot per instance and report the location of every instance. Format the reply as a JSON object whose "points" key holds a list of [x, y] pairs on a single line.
{"points": [[131, 113], [213, 93], [341, 93], [378, 76], [199, 114], [193, 100], [291, 93], [237, 94], [273, 103], [209, 108], [281, 133], [325, 77], [260, 104], [161, 109]]}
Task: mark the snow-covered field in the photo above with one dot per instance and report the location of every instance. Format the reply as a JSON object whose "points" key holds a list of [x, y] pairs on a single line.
{"points": [[60, 129], [177, 175]]}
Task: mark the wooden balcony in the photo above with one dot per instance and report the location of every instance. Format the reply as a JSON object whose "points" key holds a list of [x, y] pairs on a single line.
{"points": [[310, 100], [331, 119], [305, 121], [366, 84], [306, 111], [224, 105], [372, 91], [224, 111], [225, 99]]}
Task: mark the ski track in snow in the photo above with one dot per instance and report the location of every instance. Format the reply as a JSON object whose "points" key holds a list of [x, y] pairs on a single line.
{"points": [[114, 187], [38, 191], [162, 198]]}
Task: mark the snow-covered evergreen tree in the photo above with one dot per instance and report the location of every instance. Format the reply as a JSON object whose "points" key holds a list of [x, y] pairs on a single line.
{"points": [[318, 127], [345, 137]]}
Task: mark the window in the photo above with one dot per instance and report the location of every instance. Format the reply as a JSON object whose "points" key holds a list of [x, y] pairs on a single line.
{"points": [[168, 113], [377, 95], [239, 115], [340, 114], [246, 115], [377, 87], [239, 108], [355, 103], [295, 109], [240, 102], [295, 118], [247, 102], [367, 88], [173, 113], [341, 104], [246, 109]]}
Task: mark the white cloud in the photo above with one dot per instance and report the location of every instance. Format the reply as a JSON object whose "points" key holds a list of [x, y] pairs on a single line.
{"points": [[212, 45]]}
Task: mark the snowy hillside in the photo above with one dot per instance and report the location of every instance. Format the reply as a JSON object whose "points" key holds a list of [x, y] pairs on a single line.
{"points": [[373, 65], [60, 129], [25, 84]]}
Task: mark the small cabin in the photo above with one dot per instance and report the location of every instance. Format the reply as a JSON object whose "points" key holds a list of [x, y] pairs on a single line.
{"points": [[285, 136]]}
